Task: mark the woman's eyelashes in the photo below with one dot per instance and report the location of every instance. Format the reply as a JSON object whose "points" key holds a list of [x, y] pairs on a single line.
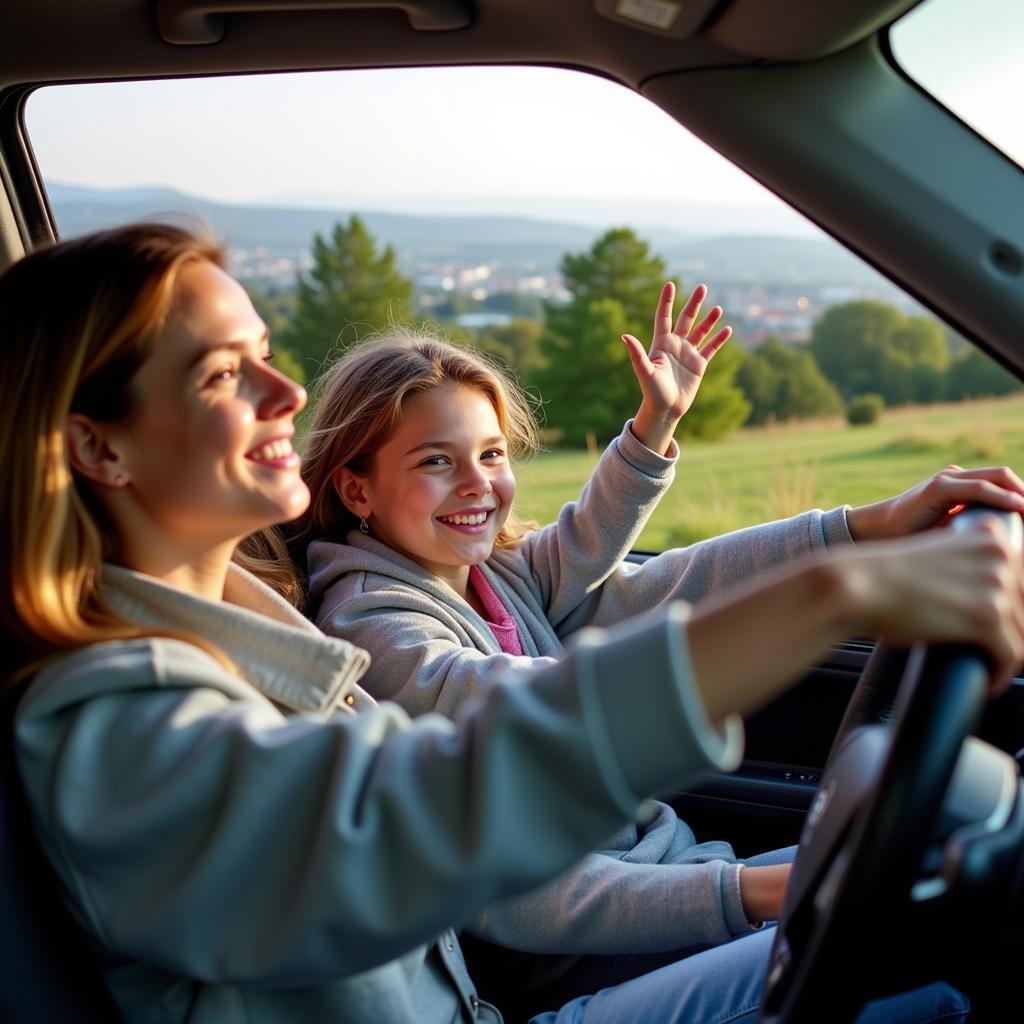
{"points": [[223, 375], [229, 371]]}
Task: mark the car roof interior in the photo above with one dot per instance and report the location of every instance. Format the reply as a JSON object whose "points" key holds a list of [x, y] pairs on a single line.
{"points": [[800, 94]]}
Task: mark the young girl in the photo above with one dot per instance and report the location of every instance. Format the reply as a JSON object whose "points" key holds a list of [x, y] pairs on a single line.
{"points": [[240, 830], [421, 562]]}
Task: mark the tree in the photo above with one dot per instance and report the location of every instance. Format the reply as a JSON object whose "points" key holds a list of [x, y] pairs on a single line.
{"points": [[515, 343], [585, 379], [921, 351], [274, 306], [621, 267], [351, 288], [720, 406], [973, 374], [869, 346], [587, 384], [783, 383], [848, 343]]}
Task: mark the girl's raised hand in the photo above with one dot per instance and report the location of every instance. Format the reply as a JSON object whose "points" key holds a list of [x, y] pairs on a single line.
{"points": [[671, 373]]}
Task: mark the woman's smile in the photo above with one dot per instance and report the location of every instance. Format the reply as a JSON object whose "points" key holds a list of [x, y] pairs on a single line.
{"points": [[276, 454]]}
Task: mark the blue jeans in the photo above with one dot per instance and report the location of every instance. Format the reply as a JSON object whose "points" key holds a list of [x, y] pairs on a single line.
{"points": [[523, 984], [716, 985], [723, 986]]}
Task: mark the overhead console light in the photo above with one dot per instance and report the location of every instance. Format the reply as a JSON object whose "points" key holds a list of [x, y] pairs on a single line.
{"points": [[672, 18]]}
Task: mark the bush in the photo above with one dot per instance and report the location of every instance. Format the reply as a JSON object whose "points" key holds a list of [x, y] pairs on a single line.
{"points": [[864, 409]]}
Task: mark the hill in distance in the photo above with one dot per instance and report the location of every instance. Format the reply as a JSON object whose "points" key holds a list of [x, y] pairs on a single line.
{"points": [[515, 244]]}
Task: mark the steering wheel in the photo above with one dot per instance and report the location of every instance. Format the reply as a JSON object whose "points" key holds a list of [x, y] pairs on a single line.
{"points": [[909, 821]]}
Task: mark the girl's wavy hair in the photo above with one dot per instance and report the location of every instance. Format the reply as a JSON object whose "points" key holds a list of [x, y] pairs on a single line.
{"points": [[358, 403], [78, 320]]}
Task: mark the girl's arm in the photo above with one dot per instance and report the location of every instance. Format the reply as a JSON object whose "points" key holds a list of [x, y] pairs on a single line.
{"points": [[934, 501], [705, 568], [573, 557], [422, 656], [604, 905], [938, 586]]}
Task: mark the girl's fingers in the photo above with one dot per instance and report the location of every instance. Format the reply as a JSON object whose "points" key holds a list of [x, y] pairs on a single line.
{"points": [[715, 342], [663, 314], [642, 366], [690, 311], [980, 492], [1002, 476], [703, 329]]}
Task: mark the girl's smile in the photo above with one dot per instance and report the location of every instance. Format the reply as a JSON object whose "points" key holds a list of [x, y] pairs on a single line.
{"points": [[470, 520], [441, 487]]}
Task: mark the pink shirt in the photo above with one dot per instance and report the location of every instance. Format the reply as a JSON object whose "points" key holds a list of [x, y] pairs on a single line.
{"points": [[498, 618]]}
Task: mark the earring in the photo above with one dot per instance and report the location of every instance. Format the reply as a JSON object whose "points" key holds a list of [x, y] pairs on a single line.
{"points": [[364, 526]]}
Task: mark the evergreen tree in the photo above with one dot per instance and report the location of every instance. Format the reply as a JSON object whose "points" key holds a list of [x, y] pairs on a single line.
{"points": [[274, 306], [621, 267], [585, 380], [587, 384], [351, 291], [515, 343]]}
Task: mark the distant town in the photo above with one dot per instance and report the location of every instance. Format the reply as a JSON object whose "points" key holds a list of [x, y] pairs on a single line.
{"points": [[483, 271]]}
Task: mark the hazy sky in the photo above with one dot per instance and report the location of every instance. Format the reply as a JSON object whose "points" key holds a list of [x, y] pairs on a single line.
{"points": [[465, 137], [478, 131]]}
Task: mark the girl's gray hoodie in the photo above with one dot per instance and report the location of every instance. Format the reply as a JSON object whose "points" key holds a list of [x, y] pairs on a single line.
{"points": [[654, 888]]}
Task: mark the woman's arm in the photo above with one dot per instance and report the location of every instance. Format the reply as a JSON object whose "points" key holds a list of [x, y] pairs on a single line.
{"points": [[200, 829]]}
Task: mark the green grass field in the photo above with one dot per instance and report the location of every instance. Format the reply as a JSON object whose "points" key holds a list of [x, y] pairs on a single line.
{"points": [[771, 472]]}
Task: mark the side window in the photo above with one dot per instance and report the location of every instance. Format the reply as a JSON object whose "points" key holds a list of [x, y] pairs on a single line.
{"points": [[969, 64], [540, 232]]}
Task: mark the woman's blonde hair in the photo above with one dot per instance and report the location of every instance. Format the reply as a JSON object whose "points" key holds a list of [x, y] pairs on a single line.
{"points": [[358, 403], [78, 320]]}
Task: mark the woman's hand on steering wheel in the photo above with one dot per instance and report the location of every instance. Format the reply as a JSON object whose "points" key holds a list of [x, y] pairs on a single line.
{"points": [[963, 587]]}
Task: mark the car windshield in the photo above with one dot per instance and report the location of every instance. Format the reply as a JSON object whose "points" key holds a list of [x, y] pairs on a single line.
{"points": [[534, 213]]}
